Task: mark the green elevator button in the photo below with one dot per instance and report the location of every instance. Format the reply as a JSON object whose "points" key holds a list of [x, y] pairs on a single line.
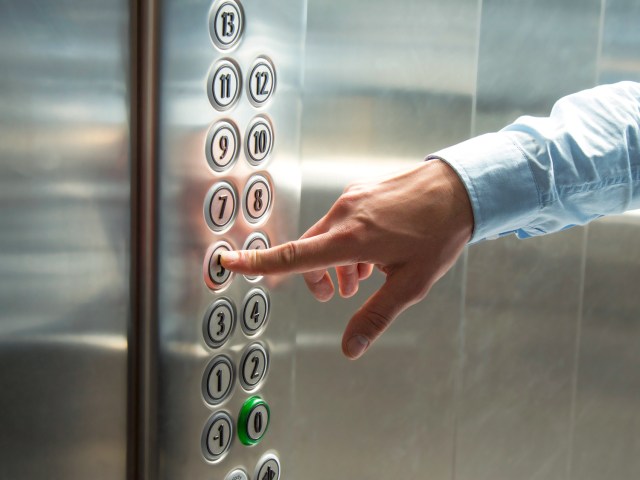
{"points": [[253, 421]]}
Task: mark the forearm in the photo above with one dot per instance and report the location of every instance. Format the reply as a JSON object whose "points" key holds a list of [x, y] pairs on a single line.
{"points": [[540, 175]]}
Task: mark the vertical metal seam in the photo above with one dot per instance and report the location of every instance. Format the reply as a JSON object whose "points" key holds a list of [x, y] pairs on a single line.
{"points": [[576, 353], [133, 330], [603, 9], [460, 363], [142, 409]]}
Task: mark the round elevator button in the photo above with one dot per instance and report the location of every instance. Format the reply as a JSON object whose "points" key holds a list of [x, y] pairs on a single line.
{"points": [[222, 145], [255, 311], [256, 241], [253, 421], [237, 474], [268, 468], [261, 82], [217, 382], [219, 322], [253, 366], [257, 199], [217, 436], [215, 275], [259, 140], [226, 23], [224, 84], [220, 206]]}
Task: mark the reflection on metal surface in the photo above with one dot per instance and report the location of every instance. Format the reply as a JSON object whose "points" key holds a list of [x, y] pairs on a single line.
{"points": [[64, 238], [272, 29], [478, 380]]}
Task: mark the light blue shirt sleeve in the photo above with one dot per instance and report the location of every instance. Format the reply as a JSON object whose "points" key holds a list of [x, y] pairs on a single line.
{"points": [[541, 175]]}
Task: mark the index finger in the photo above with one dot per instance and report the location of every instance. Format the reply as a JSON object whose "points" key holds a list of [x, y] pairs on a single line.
{"points": [[313, 253]]}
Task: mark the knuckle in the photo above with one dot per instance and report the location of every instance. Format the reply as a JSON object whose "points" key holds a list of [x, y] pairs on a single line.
{"points": [[378, 321], [288, 254]]}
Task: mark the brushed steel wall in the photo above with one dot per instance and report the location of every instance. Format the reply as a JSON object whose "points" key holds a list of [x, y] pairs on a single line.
{"points": [[521, 362], [65, 246]]}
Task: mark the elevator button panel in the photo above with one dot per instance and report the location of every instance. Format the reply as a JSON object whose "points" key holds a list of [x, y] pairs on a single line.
{"points": [[240, 148]]}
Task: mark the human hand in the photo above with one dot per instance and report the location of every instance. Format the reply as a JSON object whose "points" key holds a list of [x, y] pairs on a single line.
{"points": [[412, 226]]}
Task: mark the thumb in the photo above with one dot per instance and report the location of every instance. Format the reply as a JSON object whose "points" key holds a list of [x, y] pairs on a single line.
{"points": [[399, 292]]}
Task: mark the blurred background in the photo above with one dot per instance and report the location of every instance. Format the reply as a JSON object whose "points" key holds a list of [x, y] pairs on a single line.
{"points": [[523, 361]]}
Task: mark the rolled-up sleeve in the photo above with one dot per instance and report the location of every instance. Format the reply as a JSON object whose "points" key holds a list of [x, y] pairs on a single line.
{"points": [[541, 175]]}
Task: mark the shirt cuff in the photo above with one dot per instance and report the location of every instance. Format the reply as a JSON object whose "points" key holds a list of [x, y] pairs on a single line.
{"points": [[498, 179]]}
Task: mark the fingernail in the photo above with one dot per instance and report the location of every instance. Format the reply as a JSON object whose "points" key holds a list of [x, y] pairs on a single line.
{"points": [[356, 345], [228, 258]]}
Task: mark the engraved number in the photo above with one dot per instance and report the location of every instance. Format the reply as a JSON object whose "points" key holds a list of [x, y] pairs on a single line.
{"points": [[228, 24], [219, 375], [260, 142], [258, 203], [225, 86], [222, 271], [220, 436], [255, 313], [269, 474], [257, 422], [262, 79], [256, 364], [221, 324], [223, 199], [224, 146]]}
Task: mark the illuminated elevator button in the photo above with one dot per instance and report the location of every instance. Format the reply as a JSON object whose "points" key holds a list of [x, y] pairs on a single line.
{"points": [[253, 421], [219, 322], [217, 436], [220, 206], [217, 382], [215, 275], [237, 474], [261, 82], [256, 241], [224, 85], [222, 146], [268, 468], [259, 140], [253, 366], [226, 23], [255, 311], [257, 199]]}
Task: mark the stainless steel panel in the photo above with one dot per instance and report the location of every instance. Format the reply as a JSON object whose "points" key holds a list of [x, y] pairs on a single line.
{"points": [[620, 50], [64, 238], [523, 297], [386, 83], [533, 52], [607, 419], [273, 28], [522, 310]]}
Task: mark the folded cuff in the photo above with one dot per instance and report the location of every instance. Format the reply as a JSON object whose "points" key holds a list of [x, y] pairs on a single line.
{"points": [[498, 179]]}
